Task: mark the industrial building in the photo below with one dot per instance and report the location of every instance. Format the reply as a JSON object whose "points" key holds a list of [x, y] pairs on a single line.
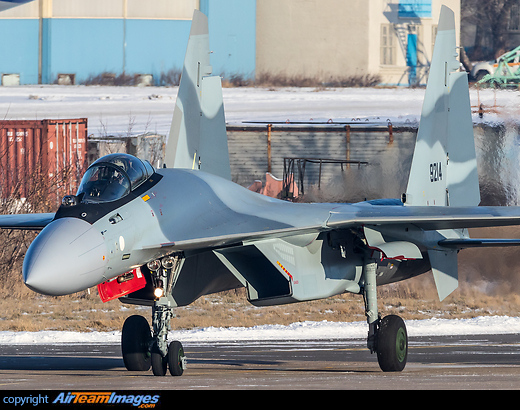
{"points": [[72, 41]]}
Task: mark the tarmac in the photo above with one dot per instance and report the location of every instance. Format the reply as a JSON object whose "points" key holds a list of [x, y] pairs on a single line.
{"points": [[447, 362]]}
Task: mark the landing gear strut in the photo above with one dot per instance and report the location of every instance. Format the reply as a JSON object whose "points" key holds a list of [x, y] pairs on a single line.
{"points": [[387, 337], [142, 348]]}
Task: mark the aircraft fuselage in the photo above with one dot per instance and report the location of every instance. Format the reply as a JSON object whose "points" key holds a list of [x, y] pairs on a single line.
{"points": [[90, 243]]}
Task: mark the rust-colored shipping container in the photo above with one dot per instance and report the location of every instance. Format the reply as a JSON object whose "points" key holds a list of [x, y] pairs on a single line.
{"points": [[42, 159]]}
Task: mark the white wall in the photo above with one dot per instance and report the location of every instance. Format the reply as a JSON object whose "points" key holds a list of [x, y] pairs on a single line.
{"points": [[337, 38]]}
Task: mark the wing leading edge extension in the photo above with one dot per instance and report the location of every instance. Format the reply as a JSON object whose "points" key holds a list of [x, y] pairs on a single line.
{"points": [[358, 215]]}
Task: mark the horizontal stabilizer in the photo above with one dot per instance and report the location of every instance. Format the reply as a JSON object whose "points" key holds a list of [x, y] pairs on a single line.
{"points": [[478, 243]]}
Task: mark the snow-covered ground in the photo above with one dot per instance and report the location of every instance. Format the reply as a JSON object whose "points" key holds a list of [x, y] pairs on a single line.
{"points": [[297, 331], [123, 111]]}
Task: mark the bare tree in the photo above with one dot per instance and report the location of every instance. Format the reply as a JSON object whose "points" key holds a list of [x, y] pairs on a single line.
{"points": [[491, 21]]}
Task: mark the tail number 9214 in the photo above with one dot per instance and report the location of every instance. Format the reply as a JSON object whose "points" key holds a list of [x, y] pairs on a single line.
{"points": [[435, 172]]}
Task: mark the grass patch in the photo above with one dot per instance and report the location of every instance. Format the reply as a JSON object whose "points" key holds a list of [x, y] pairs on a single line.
{"points": [[412, 299], [281, 80]]}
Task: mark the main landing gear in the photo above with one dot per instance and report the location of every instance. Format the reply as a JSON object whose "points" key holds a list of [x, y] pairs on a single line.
{"points": [[143, 348], [387, 337]]}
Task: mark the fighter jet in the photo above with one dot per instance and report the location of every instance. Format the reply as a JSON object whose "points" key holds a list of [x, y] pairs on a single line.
{"points": [[165, 237]]}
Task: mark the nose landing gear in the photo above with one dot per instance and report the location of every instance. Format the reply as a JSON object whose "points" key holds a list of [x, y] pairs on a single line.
{"points": [[142, 348], [139, 350]]}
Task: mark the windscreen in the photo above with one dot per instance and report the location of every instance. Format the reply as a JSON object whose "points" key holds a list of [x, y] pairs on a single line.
{"points": [[133, 167], [112, 177], [104, 183]]}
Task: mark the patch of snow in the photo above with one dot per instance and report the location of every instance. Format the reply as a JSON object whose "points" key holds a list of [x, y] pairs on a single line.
{"points": [[123, 111], [307, 330]]}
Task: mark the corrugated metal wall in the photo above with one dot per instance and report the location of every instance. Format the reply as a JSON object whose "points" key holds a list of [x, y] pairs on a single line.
{"points": [[387, 150], [385, 176], [247, 154]]}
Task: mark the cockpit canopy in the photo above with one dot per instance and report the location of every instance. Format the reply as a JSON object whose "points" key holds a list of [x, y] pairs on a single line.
{"points": [[112, 177]]}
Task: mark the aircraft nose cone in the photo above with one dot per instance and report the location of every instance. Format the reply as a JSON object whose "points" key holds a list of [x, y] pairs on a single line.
{"points": [[66, 257]]}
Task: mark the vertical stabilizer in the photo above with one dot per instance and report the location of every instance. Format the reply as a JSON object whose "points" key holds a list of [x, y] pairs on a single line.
{"points": [[198, 138], [444, 165]]}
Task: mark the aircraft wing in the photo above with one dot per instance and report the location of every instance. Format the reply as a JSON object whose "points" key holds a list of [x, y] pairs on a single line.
{"points": [[427, 217], [26, 221], [358, 215]]}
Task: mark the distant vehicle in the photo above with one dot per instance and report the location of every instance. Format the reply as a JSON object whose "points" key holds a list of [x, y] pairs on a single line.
{"points": [[503, 70], [483, 68]]}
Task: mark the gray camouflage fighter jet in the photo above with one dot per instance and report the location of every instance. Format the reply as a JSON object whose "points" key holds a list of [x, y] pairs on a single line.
{"points": [[165, 237]]}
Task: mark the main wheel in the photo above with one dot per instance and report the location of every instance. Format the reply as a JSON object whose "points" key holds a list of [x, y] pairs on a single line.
{"points": [[176, 359], [135, 339], [392, 344]]}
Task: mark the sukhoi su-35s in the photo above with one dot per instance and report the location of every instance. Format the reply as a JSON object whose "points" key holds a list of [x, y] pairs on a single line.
{"points": [[164, 237]]}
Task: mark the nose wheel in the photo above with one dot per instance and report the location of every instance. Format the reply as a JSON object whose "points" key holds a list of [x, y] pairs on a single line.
{"points": [[143, 348], [135, 342], [140, 350], [175, 360]]}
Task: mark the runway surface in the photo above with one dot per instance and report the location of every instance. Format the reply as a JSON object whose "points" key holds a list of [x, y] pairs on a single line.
{"points": [[456, 362]]}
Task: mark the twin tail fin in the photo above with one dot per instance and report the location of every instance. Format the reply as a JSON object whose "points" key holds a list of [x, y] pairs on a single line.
{"points": [[444, 165], [198, 138]]}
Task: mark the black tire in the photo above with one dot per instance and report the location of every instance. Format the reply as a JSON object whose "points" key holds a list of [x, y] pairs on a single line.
{"points": [[135, 339], [392, 344], [159, 364], [176, 358], [481, 74]]}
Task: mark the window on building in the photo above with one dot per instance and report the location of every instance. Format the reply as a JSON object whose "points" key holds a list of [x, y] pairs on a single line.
{"points": [[388, 44], [434, 36], [514, 20]]}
